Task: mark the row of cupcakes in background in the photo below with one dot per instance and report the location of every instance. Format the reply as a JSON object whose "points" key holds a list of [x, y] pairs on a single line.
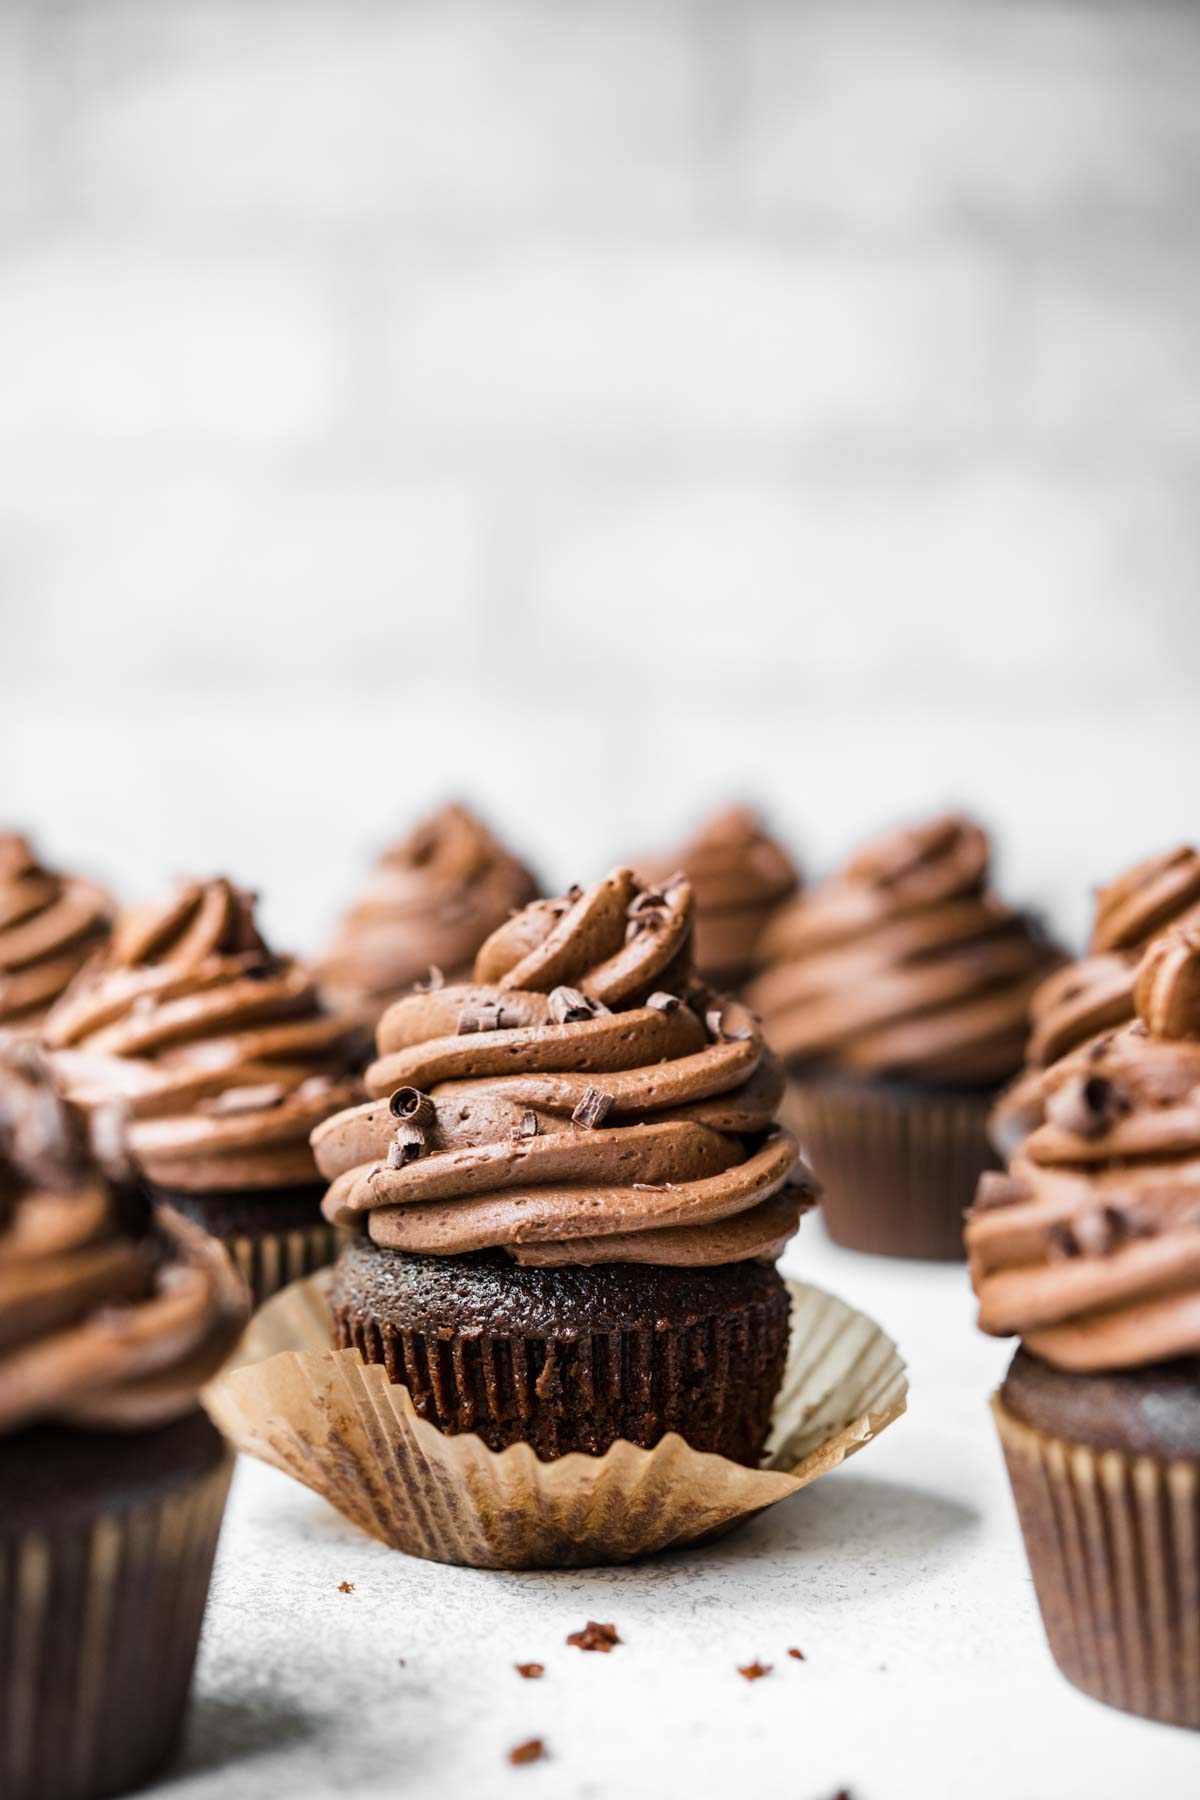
{"points": [[896, 992], [898, 995]]}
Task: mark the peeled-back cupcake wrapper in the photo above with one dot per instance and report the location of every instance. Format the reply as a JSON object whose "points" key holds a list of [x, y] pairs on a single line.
{"points": [[273, 1260], [1114, 1548], [897, 1172], [343, 1429], [99, 1624]]}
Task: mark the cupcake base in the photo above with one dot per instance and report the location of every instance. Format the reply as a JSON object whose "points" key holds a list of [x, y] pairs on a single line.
{"points": [[106, 1550], [1111, 1522], [571, 1359], [898, 1163], [274, 1236]]}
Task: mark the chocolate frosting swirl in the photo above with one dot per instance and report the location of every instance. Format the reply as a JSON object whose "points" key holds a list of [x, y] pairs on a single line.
{"points": [[582, 1101], [1094, 994], [431, 900], [110, 1316], [904, 964], [739, 875], [223, 1051], [1090, 1247], [49, 925]]}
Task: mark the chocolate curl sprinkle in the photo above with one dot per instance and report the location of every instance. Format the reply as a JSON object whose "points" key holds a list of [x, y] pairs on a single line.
{"points": [[569, 1007], [1086, 1105], [414, 1107], [664, 1003], [593, 1109], [487, 1015], [996, 1190], [407, 1144], [432, 983], [528, 1128]]}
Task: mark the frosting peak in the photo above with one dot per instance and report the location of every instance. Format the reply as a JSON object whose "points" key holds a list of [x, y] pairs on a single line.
{"points": [[49, 925], [583, 1100], [431, 900], [740, 874], [109, 1316], [904, 963], [223, 1051], [1090, 1248]]}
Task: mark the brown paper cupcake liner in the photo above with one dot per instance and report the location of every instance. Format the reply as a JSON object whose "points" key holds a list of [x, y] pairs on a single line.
{"points": [[99, 1624], [897, 1170], [343, 1429], [1114, 1549], [270, 1261]]}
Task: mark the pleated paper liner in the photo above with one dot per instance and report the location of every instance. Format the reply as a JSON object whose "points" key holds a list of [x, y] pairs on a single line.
{"points": [[343, 1429], [1114, 1549], [897, 1170], [100, 1618], [270, 1261]]}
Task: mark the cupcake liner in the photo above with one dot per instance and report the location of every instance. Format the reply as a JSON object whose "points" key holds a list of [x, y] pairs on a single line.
{"points": [[897, 1170], [342, 1428], [99, 1625], [1113, 1542], [271, 1260]]}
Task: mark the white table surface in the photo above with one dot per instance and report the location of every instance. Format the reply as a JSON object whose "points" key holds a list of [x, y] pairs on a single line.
{"points": [[901, 1577]]}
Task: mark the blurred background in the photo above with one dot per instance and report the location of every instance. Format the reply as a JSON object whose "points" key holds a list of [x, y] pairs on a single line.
{"points": [[597, 411]]}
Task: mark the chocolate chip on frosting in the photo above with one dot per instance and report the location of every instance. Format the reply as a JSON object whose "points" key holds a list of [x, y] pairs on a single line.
{"points": [[569, 1007], [1087, 1105], [408, 1141], [414, 1107], [593, 1109], [481, 1015], [996, 1190]]}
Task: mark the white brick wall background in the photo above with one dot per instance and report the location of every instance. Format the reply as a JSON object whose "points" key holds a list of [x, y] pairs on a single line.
{"points": [[599, 410]]}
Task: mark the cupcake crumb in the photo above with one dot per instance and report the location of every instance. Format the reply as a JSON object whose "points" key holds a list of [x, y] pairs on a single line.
{"points": [[530, 1752], [595, 1637], [754, 1671], [797, 1655], [345, 1587], [530, 1671]]}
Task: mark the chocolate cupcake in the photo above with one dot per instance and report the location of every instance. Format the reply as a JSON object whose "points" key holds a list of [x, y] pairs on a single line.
{"points": [[112, 1481], [570, 1191], [1078, 1002], [1089, 1251], [226, 1059], [740, 876], [897, 993], [50, 925], [430, 902]]}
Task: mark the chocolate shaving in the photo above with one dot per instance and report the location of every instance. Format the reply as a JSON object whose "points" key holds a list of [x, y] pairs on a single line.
{"points": [[650, 901], [1061, 1243], [593, 1109], [996, 1190], [528, 1127], [407, 1143], [665, 1003], [797, 1655], [713, 1020], [569, 1007], [532, 1751], [414, 1107], [754, 1671], [530, 1671], [244, 1099], [484, 1015], [345, 1587], [595, 1637], [1087, 1106], [434, 981]]}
